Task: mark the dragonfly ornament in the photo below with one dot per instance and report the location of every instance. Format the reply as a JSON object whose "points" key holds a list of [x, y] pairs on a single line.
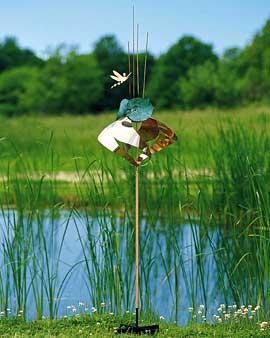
{"points": [[119, 78]]}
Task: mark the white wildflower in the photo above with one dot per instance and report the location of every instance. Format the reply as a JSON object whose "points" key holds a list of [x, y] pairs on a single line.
{"points": [[263, 325]]}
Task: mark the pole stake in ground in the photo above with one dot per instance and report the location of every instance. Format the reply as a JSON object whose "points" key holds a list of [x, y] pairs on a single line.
{"points": [[136, 136], [136, 145]]}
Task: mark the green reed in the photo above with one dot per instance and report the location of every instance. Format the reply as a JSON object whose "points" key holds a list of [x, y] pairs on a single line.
{"points": [[226, 208], [30, 251]]}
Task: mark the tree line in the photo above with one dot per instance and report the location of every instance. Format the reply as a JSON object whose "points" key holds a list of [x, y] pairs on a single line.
{"points": [[188, 75]]}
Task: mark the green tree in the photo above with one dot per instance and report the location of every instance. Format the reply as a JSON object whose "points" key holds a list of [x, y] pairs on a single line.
{"points": [[83, 79], [71, 84], [198, 87], [226, 79], [46, 94], [110, 55], [11, 55], [13, 89], [210, 84], [254, 66], [185, 54]]}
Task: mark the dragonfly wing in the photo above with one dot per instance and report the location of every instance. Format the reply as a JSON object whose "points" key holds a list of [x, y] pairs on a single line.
{"points": [[114, 78], [119, 76], [116, 73]]}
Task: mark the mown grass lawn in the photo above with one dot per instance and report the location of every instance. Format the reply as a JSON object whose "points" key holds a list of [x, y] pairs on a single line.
{"points": [[96, 326]]}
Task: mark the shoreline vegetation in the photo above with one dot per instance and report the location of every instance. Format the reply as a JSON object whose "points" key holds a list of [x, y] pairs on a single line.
{"points": [[67, 207], [61, 155], [215, 177], [102, 326]]}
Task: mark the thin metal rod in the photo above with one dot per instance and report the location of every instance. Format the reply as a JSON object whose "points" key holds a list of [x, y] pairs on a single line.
{"points": [[129, 69], [138, 77], [137, 232], [133, 52], [145, 64]]}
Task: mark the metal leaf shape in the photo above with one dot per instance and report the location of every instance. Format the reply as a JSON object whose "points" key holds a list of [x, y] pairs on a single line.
{"points": [[137, 109]]}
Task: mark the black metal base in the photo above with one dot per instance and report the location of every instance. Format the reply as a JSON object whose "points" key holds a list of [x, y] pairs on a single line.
{"points": [[150, 329]]}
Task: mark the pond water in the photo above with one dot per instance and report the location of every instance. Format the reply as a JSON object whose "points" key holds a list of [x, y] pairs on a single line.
{"points": [[93, 258]]}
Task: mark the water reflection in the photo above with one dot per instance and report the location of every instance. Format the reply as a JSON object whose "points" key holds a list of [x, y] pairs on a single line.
{"points": [[70, 258]]}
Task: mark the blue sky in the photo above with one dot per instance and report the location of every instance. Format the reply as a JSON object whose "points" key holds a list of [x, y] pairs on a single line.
{"points": [[42, 23]]}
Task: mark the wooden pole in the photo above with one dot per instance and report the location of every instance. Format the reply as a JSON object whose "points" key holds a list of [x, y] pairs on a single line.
{"points": [[137, 232]]}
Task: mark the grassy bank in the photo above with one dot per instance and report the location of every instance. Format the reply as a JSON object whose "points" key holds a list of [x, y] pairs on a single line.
{"points": [[100, 327], [60, 155], [215, 180], [70, 138]]}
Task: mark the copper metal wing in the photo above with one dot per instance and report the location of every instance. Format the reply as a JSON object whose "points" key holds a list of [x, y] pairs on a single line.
{"points": [[136, 142]]}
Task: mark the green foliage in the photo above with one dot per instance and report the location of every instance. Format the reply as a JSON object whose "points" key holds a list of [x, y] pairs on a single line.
{"points": [[233, 190], [14, 89], [189, 74], [175, 64], [102, 326], [83, 79], [239, 76], [210, 84], [110, 55], [198, 87], [12, 55], [73, 85], [253, 64], [227, 91]]}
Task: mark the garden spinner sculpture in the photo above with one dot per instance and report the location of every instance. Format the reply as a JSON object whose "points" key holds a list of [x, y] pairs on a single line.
{"points": [[136, 136]]}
